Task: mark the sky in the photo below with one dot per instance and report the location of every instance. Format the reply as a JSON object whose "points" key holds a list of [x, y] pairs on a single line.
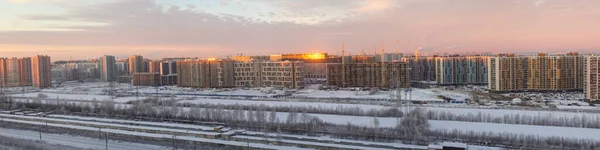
{"points": [[83, 29]]}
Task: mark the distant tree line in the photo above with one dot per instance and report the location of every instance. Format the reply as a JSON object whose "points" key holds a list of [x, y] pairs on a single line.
{"points": [[591, 121]]}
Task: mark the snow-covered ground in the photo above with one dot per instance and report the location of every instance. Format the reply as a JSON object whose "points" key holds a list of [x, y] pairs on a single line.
{"points": [[417, 94], [450, 110], [159, 124], [88, 88], [173, 127], [76, 141], [82, 97], [156, 135], [282, 103]]}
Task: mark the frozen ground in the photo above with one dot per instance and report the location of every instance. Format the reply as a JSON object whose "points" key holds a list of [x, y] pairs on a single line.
{"points": [[156, 135], [91, 89], [417, 94], [76, 141], [83, 97], [282, 103]]}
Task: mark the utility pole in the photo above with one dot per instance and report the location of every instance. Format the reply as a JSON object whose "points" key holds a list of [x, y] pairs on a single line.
{"points": [[173, 139], [106, 140], [99, 133], [40, 129]]}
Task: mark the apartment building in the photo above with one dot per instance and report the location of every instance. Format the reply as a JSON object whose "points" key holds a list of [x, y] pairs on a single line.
{"points": [[3, 72], [591, 89], [422, 68], [25, 71], [108, 69], [258, 73], [77, 70], [168, 72], [288, 74], [136, 64], [542, 72], [205, 73], [41, 71], [154, 66], [391, 75], [315, 65], [146, 79], [15, 72], [459, 70], [248, 74]]}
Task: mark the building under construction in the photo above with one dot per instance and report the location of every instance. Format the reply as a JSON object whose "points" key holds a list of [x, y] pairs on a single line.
{"points": [[422, 68], [206, 73], [391, 75]]}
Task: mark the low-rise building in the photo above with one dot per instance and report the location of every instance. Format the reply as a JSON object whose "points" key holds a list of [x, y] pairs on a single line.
{"points": [[146, 79]]}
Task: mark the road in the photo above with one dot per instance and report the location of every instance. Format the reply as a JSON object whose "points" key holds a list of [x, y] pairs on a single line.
{"points": [[76, 141]]}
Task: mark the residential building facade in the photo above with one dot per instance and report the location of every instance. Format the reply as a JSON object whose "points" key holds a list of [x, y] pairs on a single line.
{"points": [[41, 71], [391, 75], [591, 89], [459, 70], [146, 79], [205, 73], [536, 73], [136, 64], [109, 69]]}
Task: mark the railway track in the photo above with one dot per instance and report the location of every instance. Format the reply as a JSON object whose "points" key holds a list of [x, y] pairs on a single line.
{"points": [[188, 133]]}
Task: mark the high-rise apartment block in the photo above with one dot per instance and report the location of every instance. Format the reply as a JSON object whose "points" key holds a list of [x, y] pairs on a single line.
{"points": [[15, 72], [3, 72], [109, 69], [591, 89], [168, 72], [41, 71], [391, 75], [205, 73], [536, 73], [422, 68], [456, 70], [77, 70], [154, 66], [25, 71], [136, 64]]}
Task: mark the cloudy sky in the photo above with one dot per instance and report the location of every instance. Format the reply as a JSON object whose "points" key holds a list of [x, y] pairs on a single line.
{"points": [[80, 29]]}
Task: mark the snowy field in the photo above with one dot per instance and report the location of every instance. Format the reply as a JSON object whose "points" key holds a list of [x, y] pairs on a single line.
{"points": [[76, 141], [450, 110], [282, 103], [98, 88], [156, 135], [82, 97], [417, 94]]}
